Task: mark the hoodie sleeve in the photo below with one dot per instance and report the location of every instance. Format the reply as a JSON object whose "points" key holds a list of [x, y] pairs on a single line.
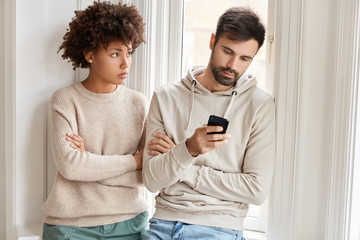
{"points": [[252, 185], [73, 164], [165, 169]]}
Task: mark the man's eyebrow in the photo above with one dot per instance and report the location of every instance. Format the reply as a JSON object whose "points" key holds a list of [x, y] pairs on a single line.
{"points": [[232, 51]]}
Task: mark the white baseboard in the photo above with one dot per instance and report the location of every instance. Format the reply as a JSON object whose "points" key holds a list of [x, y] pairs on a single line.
{"points": [[34, 232], [252, 235], [29, 231]]}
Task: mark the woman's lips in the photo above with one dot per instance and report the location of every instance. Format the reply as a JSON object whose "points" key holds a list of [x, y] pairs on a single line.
{"points": [[123, 75]]}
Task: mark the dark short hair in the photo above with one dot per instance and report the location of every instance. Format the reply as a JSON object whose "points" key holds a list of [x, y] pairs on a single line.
{"points": [[98, 25], [240, 24]]}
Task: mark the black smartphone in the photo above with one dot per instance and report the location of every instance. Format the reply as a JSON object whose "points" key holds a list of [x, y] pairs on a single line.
{"points": [[218, 121]]}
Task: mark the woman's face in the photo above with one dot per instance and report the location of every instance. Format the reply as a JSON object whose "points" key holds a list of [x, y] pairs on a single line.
{"points": [[110, 65]]}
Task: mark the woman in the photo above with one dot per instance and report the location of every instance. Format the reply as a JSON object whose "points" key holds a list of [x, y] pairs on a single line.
{"points": [[96, 190]]}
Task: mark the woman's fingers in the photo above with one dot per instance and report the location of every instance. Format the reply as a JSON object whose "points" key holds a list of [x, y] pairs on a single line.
{"points": [[160, 144], [158, 147], [154, 153], [165, 138], [74, 146], [76, 141], [73, 139]]}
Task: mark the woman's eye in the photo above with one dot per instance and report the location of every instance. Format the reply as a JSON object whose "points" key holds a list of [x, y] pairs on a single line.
{"points": [[129, 54], [114, 55]]}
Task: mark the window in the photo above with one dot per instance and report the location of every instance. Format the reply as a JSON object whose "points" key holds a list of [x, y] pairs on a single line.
{"points": [[354, 217], [200, 18]]}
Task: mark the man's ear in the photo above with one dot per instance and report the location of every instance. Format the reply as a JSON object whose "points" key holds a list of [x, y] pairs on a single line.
{"points": [[212, 41], [89, 56]]}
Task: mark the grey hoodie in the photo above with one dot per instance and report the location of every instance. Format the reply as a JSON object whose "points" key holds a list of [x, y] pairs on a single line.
{"points": [[216, 188]]}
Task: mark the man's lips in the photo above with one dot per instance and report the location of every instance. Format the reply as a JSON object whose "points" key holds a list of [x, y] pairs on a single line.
{"points": [[228, 74]]}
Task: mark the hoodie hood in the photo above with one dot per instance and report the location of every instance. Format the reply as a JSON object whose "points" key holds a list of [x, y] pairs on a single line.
{"points": [[243, 83]]}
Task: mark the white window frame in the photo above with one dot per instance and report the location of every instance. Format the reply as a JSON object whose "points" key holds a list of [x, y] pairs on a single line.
{"points": [[158, 62], [10, 144], [344, 198], [354, 208], [287, 69]]}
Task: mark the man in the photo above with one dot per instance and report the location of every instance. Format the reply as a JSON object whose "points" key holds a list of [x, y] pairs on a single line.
{"points": [[207, 181]]}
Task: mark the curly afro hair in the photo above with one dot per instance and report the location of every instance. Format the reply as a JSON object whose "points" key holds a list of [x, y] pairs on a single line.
{"points": [[99, 24]]}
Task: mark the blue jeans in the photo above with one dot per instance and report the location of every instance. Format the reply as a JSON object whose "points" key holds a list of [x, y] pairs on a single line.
{"points": [[161, 229]]}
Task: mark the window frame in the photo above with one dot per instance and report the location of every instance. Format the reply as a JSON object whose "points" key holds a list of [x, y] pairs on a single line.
{"points": [[343, 205], [157, 62]]}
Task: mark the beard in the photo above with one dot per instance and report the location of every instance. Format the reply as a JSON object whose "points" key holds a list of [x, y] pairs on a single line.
{"points": [[220, 78]]}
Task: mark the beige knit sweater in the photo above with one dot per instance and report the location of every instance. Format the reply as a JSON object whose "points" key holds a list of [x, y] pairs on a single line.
{"points": [[99, 186]]}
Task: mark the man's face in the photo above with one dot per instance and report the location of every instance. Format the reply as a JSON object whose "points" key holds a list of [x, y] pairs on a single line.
{"points": [[230, 59]]}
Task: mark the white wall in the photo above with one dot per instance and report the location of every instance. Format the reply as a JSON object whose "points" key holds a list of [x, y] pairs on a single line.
{"points": [[2, 122], [39, 71]]}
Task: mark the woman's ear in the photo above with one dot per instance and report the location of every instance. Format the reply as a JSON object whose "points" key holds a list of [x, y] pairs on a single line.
{"points": [[212, 41], [89, 56]]}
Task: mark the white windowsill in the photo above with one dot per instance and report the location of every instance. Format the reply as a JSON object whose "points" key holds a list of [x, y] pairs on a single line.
{"points": [[34, 232], [252, 235], [29, 231]]}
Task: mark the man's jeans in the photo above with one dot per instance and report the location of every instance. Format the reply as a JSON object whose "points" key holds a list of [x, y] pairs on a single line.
{"points": [[161, 229]]}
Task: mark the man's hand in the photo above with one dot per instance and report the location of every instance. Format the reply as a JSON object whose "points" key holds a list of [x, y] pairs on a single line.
{"points": [[76, 142], [160, 144], [201, 142]]}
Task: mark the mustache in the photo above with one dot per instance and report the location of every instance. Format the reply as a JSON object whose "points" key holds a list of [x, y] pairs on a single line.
{"points": [[227, 69]]}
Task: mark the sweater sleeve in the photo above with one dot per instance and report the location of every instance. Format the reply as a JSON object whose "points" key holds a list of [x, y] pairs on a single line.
{"points": [[129, 179], [253, 183], [165, 169], [73, 164]]}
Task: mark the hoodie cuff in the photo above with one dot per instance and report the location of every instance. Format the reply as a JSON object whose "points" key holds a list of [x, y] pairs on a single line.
{"points": [[182, 155]]}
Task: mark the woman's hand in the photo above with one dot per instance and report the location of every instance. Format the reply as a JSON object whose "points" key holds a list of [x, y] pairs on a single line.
{"points": [[76, 142], [160, 145], [138, 156]]}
